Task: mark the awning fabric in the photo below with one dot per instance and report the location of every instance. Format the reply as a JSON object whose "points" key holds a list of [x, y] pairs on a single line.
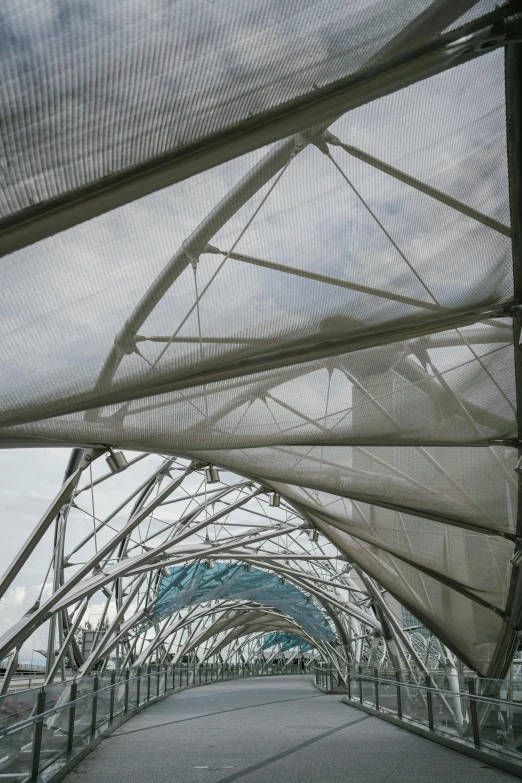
{"points": [[328, 313]]}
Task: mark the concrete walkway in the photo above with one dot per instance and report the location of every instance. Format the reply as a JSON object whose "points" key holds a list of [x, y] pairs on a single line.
{"points": [[270, 730]]}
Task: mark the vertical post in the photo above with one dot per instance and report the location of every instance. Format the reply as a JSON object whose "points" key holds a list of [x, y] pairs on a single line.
{"points": [[166, 674], [111, 697], [376, 675], [148, 682], [429, 699], [399, 695], [138, 685], [349, 681], [199, 672], [9, 671], [126, 703], [508, 644], [37, 736], [360, 685], [72, 716], [173, 677], [180, 676], [474, 713], [158, 677], [94, 714], [331, 679]]}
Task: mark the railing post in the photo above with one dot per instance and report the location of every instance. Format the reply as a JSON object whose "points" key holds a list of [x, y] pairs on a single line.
{"points": [[376, 675], [360, 685], [138, 685], [72, 716], [158, 678], [349, 681], [166, 676], [180, 676], [331, 679], [37, 735], [474, 713], [148, 682], [95, 685], [399, 695], [429, 699], [126, 702], [111, 697]]}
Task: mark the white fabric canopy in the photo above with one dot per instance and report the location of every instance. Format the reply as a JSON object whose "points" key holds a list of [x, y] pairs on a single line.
{"points": [[337, 325]]}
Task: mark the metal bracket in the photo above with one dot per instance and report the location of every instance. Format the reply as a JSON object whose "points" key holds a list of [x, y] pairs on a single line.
{"points": [[483, 40], [194, 259]]}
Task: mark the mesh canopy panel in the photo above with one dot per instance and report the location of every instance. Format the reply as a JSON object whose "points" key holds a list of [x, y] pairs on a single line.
{"points": [[379, 281], [453, 617], [329, 314], [288, 641], [477, 565], [195, 583], [435, 481], [92, 89], [449, 387]]}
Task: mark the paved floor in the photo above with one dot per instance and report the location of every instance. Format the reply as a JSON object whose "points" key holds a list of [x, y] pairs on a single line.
{"points": [[269, 730]]}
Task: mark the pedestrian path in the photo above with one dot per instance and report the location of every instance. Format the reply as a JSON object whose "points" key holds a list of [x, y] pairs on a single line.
{"points": [[270, 730]]}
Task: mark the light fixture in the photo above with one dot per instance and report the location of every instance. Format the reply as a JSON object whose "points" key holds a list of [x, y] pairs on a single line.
{"points": [[212, 475], [274, 500], [315, 536], [283, 580], [210, 564], [308, 599], [116, 461]]}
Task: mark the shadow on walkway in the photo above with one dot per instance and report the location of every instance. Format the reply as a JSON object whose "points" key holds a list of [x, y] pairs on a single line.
{"points": [[270, 730]]}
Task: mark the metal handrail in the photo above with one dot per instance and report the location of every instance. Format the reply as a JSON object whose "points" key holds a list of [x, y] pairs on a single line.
{"points": [[477, 729], [166, 683], [447, 692]]}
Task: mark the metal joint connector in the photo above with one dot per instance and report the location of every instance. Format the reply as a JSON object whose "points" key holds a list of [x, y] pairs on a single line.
{"points": [[483, 40], [194, 259]]}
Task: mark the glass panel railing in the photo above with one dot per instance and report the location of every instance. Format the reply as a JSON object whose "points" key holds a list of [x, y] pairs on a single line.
{"points": [[479, 713], [388, 696], [15, 707], [16, 753]]}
